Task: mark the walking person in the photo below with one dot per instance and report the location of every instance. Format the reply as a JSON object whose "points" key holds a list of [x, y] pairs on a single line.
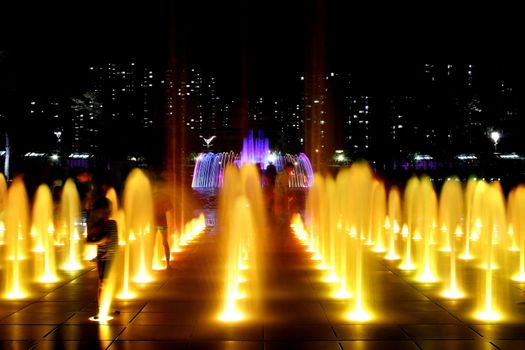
{"points": [[282, 194], [163, 208], [102, 231]]}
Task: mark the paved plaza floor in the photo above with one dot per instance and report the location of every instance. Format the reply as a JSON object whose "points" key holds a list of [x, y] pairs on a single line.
{"points": [[179, 310]]}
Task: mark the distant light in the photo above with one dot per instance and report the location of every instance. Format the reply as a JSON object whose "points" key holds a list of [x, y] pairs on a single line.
{"points": [[316, 101], [80, 155], [495, 136], [302, 78], [466, 156], [34, 154], [338, 151], [332, 74], [423, 157], [54, 157], [510, 156]]}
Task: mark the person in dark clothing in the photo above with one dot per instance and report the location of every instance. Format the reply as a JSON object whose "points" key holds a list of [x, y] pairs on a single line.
{"points": [[103, 232], [163, 208], [270, 173]]}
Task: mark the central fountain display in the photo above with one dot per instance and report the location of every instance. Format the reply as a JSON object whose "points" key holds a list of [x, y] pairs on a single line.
{"points": [[209, 168]]}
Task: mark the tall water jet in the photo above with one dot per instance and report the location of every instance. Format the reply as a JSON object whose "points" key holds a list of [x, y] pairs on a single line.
{"points": [[516, 208], [255, 150], [236, 247], [70, 225], [314, 210], [42, 226], [491, 212], [393, 222], [410, 207], [470, 220], [138, 209], [426, 219], [242, 222], [16, 218], [3, 198], [378, 216], [450, 217], [358, 210]]}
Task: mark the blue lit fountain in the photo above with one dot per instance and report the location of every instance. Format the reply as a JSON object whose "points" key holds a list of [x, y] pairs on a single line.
{"points": [[209, 168]]}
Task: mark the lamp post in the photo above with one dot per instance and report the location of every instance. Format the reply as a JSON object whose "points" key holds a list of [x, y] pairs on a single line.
{"points": [[495, 136]]}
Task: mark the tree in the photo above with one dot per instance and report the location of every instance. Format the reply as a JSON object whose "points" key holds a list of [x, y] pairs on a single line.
{"points": [[86, 122], [87, 104]]}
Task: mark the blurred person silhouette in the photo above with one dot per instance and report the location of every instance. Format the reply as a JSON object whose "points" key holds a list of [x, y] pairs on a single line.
{"points": [[103, 232], [270, 174], [163, 209], [282, 194]]}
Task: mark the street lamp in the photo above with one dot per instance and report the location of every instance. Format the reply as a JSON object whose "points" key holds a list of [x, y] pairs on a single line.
{"points": [[495, 136]]}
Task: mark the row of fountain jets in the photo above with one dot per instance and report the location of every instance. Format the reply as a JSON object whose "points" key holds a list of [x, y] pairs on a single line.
{"points": [[468, 229], [469, 238], [40, 244]]}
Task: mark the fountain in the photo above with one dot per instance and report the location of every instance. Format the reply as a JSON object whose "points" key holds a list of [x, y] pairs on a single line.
{"points": [[43, 232], [451, 206], [209, 167], [349, 221], [516, 208], [138, 236], [3, 199], [70, 226], [32, 248], [242, 220], [343, 217], [392, 223], [16, 217]]}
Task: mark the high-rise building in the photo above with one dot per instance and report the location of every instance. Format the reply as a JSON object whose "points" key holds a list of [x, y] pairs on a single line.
{"points": [[358, 122], [123, 103]]}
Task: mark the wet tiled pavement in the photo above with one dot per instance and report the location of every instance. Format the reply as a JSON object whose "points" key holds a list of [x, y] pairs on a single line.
{"points": [[179, 311]]}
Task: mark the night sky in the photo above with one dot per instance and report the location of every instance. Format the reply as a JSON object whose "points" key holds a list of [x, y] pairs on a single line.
{"points": [[268, 43]]}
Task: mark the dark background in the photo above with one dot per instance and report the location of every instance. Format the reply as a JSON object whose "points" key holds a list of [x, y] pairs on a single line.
{"points": [[264, 44]]}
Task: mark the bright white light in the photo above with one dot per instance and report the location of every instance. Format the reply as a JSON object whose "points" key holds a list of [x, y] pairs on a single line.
{"points": [[466, 156], [423, 157], [509, 156], [100, 319], [495, 136], [34, 154], [453, 294], [80, 155]]}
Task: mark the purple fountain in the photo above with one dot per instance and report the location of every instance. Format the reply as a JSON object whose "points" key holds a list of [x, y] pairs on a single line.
{"points": [[209, 168]]}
